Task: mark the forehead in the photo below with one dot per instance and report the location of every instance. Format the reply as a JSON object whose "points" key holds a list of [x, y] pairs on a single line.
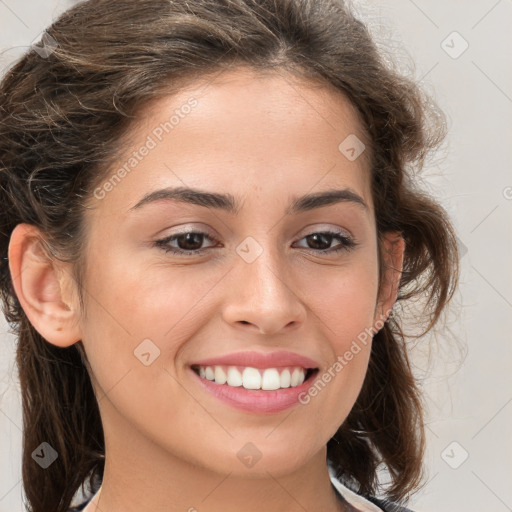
{"points": [[243, 130]]}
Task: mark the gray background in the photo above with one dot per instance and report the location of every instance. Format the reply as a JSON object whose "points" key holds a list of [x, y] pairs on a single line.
{"points": [[464, 366]]}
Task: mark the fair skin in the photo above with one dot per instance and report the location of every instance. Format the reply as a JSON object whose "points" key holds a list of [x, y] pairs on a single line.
{"points": [[171, 445]]}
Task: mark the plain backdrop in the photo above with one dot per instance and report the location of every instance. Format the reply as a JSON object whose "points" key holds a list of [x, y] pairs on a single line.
{"points": [[461, 52]]}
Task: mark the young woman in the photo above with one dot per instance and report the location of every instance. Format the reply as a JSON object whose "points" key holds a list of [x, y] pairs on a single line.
{"points": [[208, 214]]}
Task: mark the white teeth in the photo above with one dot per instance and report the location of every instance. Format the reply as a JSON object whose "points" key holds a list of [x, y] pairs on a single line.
{"points": [[251, 378], [270, 379], [297, 377], [234, 377], [254, 378], [285, 378], [220, 375]]}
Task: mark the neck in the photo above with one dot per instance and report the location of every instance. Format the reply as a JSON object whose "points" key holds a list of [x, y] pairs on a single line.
{"points": [[148, 478]]}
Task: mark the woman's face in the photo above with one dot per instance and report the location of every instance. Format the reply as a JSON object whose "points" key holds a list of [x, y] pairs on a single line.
{"points": [[266, 279]]}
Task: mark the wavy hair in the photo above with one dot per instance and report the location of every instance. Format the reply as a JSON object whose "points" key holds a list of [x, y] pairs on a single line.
{"points": [[63, 115]]}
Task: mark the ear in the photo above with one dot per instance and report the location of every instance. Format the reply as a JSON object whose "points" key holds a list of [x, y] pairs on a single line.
{"points": [[393, 248], [43, 286]]}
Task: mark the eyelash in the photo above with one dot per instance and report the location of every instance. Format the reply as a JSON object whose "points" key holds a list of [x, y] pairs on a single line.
{"points": [[347, 243]]}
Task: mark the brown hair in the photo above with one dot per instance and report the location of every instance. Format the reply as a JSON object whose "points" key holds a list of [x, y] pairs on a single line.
{"points": [[62, 116]]}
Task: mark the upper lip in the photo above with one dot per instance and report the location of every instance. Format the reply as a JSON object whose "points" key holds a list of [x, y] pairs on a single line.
{"points": [[260, 360]]}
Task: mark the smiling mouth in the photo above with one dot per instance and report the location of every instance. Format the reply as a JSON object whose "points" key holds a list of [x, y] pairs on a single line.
{"points": [[265, 379]]}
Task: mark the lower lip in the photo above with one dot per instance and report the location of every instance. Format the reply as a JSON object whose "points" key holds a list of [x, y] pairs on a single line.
{"points": [[253, 400]]}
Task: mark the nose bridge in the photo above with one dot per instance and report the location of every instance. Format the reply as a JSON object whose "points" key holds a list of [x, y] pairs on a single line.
{"points": [[260, 293]]}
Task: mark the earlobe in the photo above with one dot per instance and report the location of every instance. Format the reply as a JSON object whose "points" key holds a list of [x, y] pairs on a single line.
{"points": [[39, 282], [393, 249]]}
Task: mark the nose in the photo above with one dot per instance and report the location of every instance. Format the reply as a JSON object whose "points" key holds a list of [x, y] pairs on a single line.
{"points": [[262, 295]]}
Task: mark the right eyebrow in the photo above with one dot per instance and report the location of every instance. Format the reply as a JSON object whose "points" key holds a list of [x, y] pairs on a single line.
{"points": [[215, 200]]}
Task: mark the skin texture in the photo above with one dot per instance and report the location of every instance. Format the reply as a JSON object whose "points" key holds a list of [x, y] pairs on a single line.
{"points": [[170, 445]]}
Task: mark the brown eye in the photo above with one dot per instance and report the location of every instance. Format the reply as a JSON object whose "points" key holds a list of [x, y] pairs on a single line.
{"points": [[321, 241], [188, 243]]}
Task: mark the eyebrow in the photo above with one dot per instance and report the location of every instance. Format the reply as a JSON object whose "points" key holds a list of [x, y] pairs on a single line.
{"points": [[230, 204]]}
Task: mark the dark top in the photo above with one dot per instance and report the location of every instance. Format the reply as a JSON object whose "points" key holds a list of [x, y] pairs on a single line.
{"points": [[79, 507], [385, 505], [388, 506]]}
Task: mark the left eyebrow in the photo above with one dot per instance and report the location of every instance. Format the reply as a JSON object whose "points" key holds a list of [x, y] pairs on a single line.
{"points": [[325, 198], [230, 204]]}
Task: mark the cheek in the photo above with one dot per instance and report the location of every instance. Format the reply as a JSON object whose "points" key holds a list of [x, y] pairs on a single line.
{"points": [[343, 298], [343, 303], [134, 329], [133, 311]]}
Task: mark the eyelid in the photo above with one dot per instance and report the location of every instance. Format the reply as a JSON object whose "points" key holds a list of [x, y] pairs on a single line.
{"points": [[316, 228], [184, 229]]}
